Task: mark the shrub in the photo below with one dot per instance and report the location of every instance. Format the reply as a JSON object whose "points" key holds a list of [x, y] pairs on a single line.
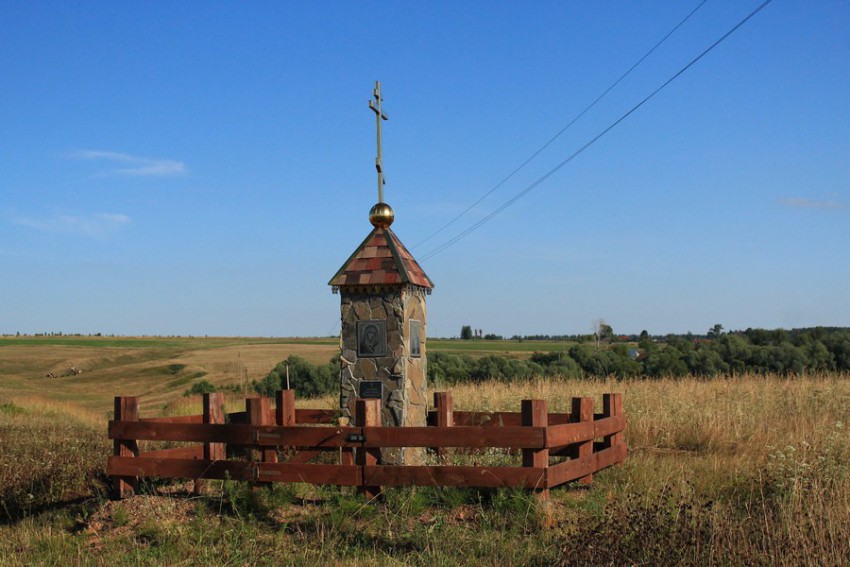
{"points": [[201, 387], [306, 378]]}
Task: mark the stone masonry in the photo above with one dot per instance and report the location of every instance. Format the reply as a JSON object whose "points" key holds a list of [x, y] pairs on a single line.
{"points": [[402, 373]]}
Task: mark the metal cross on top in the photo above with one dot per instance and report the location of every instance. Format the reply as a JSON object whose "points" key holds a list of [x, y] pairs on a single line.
{"points": [[379, 115]]}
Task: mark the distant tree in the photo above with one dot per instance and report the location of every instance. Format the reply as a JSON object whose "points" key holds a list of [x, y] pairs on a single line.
{"points": [[466, 332], [705, 362], [665, 362], [735, 351], [449, 368], [838, 345], [557, 364], [716, 331], [602, 332]]}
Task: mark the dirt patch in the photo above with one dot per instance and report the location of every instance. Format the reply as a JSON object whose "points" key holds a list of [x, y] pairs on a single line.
{"points": [[136, 515]]}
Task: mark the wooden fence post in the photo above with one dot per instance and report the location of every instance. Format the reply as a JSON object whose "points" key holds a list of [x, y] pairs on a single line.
{"points": [[213, 413], [126, 409], [612, 405], [284, 413], [285, 408], [257, 413], [445, 414], [583, 412], [535, 414], [367, 413]]}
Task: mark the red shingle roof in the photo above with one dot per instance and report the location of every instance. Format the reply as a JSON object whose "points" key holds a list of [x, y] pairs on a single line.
{"points": [[381, 260]]}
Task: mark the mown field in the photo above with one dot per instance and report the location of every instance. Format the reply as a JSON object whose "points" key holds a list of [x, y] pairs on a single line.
{"points": [[747, 471]]}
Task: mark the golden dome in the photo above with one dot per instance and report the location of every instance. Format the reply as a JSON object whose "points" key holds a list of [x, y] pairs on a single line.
{"points": [[381, 215]]}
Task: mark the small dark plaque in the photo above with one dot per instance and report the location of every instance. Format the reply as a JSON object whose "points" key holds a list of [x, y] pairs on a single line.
{"points": [[371, 389], [371, 339]]}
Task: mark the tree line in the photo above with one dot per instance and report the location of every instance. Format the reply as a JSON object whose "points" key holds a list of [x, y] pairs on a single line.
{"points": [[756, 351]]}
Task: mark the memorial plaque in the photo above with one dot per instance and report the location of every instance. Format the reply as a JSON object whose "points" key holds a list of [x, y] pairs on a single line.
{"points": [[371, 339], [371, 389], [415, 339]]}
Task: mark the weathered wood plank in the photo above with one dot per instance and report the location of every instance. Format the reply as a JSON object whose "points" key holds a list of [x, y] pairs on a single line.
{"points": [[583, 413], [285, 413], [577, 468], [535, 414], [181, 468], [609, 426], [367, 414], [127, 410], [467, 436], [175, 419], [193, 452], [445, 475], [259, 412], [237, 433], [445, 415], [612, 405], [304, 436], [339, 475], [213, 406], [570, 433], [237, 470]]}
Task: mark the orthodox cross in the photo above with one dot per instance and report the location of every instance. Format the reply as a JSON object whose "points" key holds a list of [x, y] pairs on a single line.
{"points": [[379, 115]]}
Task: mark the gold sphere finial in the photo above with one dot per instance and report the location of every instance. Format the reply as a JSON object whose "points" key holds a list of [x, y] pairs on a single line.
{"points": [[381, 215]]}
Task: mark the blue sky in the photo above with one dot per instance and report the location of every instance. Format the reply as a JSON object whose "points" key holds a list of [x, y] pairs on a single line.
{"points": [[206, 167]]}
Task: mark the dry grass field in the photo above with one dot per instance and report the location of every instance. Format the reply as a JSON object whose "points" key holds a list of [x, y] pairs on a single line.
{"points": [[747, 471], [157, 370]]}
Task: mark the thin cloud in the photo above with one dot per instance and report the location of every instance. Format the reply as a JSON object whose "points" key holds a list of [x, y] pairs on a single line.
{"points": [[133, 166], [802, 203], [95, 226]]}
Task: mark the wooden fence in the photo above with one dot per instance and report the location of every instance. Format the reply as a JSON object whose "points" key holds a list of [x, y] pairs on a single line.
{"points": [[265, 444]]}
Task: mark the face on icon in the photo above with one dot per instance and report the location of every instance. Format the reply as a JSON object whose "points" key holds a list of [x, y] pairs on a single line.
{"points": [[371, 338]]}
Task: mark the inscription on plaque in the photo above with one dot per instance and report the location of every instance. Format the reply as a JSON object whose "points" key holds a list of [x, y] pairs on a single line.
{"points": [[371, 389], [371, 339]]}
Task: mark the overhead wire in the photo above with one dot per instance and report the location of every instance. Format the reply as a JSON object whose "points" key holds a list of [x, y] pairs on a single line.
{"points": [[576, 153], [564, 129]]}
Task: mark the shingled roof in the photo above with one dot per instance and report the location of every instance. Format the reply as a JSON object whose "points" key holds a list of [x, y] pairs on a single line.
{"points": [[381, 260]]}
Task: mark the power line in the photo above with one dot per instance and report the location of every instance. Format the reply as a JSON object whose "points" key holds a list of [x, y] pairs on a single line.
{"points": [[564, 129], [552, 171]]}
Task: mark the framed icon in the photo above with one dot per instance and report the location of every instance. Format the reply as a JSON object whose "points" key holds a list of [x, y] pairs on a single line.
{"points": [[415, 338], [371, 339]]}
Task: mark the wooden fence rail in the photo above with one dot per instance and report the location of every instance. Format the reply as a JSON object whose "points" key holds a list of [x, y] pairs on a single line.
{"points": [[556, 448]]}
